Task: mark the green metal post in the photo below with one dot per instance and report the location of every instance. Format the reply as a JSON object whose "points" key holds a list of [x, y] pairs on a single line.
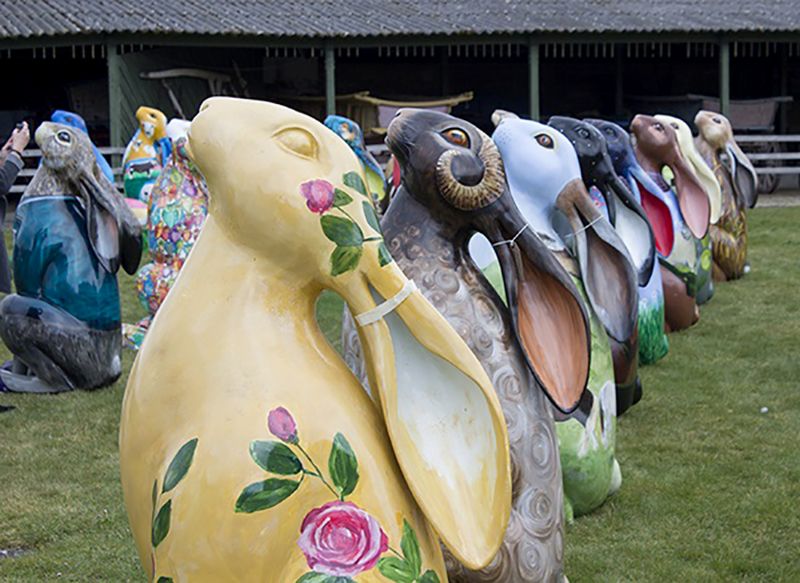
{"points": [[784, 90], [533, 78], [114, 62], [725, 77], [330, 80]]}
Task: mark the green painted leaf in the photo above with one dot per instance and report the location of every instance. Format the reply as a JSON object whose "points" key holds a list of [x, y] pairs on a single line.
{"points": [[266, 494], [345, 259], [353, 180], [429, 577], [384, 257], [161, 524], [313, 577], [343, 466], [409, 545], [372, 216], [164, 580], [395, 569], [179, 465], [275, 457], [342, 231], [154, 497], [341, 198]]}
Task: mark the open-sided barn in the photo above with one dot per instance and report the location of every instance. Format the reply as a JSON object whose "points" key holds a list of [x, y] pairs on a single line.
{"points": [[104, 58]]}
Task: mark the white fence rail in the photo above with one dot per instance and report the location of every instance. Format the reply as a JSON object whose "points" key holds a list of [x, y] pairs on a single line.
{"points": [[32, 157]]}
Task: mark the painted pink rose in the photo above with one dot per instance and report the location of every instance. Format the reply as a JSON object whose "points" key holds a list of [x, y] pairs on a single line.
{"points": [[318, 195], [281, 424], [340, 539]]}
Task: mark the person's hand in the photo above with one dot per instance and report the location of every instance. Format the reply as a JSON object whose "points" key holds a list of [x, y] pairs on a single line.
{"points": [[20, 137]]}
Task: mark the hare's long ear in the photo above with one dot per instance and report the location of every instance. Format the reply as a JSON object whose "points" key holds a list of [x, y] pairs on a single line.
{"points": [[744, 177], [630, 221], [692, 198], [443, 417], [500, 115], [114, 232], [656, 210], [606, 266], [706, 177], [101, 224], [547, 310]]}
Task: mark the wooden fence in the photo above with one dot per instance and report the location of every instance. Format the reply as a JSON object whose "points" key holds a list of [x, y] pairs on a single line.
{"points": [[32, 157]]}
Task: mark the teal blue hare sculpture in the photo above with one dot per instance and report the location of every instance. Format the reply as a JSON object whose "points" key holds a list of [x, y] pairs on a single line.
{"points": [[71, 234]]}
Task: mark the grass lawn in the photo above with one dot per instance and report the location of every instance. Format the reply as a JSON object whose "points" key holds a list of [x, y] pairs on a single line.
{"points": [[710, 484]]}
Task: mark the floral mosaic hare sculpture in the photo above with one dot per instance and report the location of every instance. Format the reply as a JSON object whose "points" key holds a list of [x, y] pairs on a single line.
{"points": [[145, 154], [248, 450], [351, 133], [177, 209], [706, 178], [454, 185], [738, 182], [544, 178], [72, 232], [618, 206], [653, 342], [680, 219]]}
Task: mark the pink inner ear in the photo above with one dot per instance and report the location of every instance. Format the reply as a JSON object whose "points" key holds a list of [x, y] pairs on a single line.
{"points": [[553, 333], [660, 219], [694, 205]]}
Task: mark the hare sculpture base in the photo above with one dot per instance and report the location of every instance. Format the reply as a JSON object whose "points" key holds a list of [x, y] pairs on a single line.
{"points": [[54, 351]]}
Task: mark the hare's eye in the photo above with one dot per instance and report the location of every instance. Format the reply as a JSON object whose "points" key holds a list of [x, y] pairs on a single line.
{"points": [[64, 137], [716, 120], [456, 137], [298, 141], [545, 141], [658, 127]]}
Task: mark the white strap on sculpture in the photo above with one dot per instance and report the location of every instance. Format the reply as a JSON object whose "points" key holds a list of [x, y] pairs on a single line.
{"points": [[513, 239], [381, 310], [585, 227]]}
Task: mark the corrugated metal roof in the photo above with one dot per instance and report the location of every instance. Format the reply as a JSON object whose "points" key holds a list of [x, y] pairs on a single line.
{"points": [[370, 18]]}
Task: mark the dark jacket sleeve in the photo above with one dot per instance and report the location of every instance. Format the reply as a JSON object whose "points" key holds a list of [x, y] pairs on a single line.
{"points": [[8, 174], [9, 171]]}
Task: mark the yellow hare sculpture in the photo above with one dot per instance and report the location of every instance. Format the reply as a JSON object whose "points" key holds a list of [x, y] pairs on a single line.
{"points": [[248, 450]]}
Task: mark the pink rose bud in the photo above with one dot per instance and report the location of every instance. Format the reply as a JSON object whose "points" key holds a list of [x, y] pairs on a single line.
{"points": [[318, 195], [281, 424], [341, 540]]}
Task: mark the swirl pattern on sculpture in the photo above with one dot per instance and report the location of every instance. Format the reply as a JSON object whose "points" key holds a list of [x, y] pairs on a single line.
{"points": [[452, 285]]}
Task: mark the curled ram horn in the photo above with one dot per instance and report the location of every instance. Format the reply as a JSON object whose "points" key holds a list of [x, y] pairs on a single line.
{"points": [[466, 197]]}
